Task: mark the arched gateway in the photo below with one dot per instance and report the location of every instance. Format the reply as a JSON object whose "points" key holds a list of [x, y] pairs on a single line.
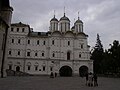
{"points": [[65, 71], [83, 70]]}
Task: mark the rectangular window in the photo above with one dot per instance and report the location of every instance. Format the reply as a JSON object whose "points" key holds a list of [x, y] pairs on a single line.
{"points": [[61, 26], [43, 68], [18, 52], [17, 29], [23, 29], [28, 53], [28, 41], [12, 40], [19, 41]]}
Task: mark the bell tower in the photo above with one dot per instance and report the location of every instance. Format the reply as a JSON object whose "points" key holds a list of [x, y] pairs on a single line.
{"points": [[6, 11], [53, 24], [78, 25]]}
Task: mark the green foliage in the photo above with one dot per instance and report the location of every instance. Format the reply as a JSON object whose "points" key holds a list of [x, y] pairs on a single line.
{"points": [[108, 61], [97, 55], [114, 55]]}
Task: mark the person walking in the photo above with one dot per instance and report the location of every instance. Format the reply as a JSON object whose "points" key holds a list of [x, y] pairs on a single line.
{"points": [[90, 79], [86, 79], [95, 80]]}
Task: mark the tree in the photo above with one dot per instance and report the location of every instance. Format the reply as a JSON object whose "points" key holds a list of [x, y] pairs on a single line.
{"points": [[97, 55], [114, 53]]}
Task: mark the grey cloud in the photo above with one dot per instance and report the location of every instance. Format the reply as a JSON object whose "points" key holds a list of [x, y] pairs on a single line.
{"points": [[99, 16]]}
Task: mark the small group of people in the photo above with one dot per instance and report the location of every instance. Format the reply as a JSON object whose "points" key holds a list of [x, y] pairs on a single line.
{"points": [[91, 79], [52, 75]]}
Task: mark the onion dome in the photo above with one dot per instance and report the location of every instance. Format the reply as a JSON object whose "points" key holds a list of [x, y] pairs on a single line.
{"points": [[64, 18], [78, 21], [53, 19]]}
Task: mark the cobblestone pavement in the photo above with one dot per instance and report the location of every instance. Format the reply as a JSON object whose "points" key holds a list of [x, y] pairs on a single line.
{"points": [[58, 83]]}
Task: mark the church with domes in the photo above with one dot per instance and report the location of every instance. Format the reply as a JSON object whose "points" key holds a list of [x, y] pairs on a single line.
{"points": [[62, 50]]}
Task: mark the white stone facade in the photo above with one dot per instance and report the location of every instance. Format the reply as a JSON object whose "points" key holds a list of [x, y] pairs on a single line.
{"points": [[59, 50]]}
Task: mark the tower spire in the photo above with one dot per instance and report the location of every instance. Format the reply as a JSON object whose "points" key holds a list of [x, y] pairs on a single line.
{"points": [[64, 10], [78, 16], [54, 13]]}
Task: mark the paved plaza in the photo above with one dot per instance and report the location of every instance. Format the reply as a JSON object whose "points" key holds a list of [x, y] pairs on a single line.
{"points": [[58, 83]]}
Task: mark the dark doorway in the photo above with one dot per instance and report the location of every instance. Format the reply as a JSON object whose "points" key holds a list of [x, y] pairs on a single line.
{"points": [[83, 70], [65, 71], [17, 68]]}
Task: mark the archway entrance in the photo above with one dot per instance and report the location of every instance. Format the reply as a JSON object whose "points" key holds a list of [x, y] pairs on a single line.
{"points": [[17, 68], [83, 70], [65, 71]]}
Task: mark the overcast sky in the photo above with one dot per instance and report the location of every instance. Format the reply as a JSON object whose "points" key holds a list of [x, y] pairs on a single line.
{"points": [[99, 16]]}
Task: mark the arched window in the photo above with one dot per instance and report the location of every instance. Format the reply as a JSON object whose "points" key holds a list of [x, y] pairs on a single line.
{"points": [[29, 65], [65, 26], [43, 42], [12, 40], [81, 46], [23, 29], [19, 41], [36, 66], [43, 54], [68, 43], [43, 68], [28, 41], [36, 54], [53, 55], [18, 52], [9, 52], [51, 68], [28, 53], [38, 42], [17, 29], [68, 55], [80, 55], [10, 67], [52, 42], [12, 29], [18, 68]]}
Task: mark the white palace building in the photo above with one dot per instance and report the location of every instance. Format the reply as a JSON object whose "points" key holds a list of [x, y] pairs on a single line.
{"points": [[61, 50]]}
